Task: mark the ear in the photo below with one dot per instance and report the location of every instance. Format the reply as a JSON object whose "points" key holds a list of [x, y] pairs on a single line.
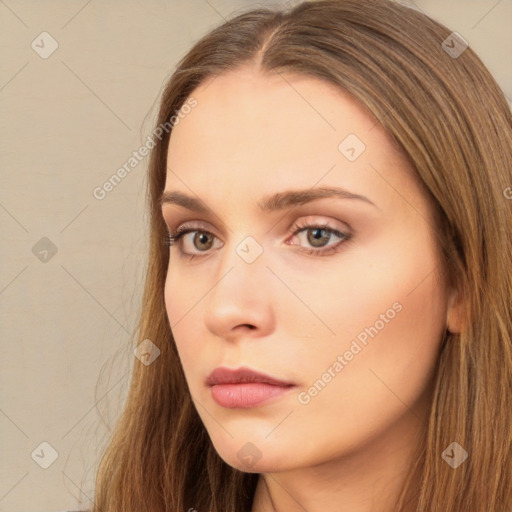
{"points": [[455, 312]]}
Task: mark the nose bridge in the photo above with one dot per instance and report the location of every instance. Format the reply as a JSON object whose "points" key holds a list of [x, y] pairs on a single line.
{"points": [[241, 269], [241, 293]]}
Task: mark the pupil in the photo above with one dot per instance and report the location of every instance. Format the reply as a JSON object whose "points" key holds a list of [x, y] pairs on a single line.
{"points": [[317, 236], [203, 238]]}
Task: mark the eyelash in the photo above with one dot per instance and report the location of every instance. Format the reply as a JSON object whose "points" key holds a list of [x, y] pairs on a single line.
{"points": [[173, 238]]}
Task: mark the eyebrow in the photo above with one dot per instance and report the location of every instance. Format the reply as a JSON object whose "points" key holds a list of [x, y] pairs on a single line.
{"points": [[271, 203]]}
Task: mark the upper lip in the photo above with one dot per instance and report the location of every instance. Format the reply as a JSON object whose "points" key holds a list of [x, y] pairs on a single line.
{"points": [[222, 375]]}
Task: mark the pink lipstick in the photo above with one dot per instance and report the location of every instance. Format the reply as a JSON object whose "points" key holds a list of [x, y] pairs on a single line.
{"points": [[244, 388]]}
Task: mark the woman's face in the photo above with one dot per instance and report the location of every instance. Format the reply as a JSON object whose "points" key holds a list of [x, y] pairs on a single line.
{"points": [[351, 310]]}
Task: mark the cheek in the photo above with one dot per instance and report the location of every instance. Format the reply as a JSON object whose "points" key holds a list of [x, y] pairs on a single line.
{"points": [[182, 295], [384, 376], [394, 271], [389, 316], [403, 343]]}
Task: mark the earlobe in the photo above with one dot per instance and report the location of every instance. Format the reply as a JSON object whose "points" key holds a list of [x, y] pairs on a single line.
{"points": [[455, 312]]}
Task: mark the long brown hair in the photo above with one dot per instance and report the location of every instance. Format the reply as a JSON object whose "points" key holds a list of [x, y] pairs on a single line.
{"points": [[450, 118]]}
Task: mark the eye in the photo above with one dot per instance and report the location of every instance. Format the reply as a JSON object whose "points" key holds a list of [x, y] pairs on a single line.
{"points": [[317, 237], [201, 241]]}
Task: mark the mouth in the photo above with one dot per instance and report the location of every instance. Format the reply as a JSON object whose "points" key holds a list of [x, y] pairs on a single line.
{"points": [[244, 388]]}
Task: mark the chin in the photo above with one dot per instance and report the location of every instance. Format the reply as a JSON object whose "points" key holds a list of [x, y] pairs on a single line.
{"points": [[251, 457]]}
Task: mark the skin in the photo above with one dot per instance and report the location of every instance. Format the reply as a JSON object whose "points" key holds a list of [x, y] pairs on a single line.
{"points": [[291, 314]]}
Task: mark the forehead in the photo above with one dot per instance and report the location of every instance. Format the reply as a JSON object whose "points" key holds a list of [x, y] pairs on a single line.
{"points": [[280, 106], [264, 132]]}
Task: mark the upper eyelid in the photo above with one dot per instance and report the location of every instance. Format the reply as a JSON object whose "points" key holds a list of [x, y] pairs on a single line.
{"points": [[307, 220]]}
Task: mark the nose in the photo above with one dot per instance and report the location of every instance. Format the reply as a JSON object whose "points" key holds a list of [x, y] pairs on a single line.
{"points": [[240, 302]]}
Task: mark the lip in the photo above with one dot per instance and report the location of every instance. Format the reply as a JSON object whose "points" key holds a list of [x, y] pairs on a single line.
{"points": [[244, 388], [223, 375]]}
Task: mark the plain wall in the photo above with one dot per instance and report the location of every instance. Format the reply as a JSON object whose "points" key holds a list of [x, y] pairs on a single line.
{"points": [[72, 264]]}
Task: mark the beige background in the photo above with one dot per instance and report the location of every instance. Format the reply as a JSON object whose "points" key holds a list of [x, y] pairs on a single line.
{"points": [[67, 123]]}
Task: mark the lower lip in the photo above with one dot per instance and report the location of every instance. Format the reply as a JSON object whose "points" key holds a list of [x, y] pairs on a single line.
{"points": [[246, 395]]}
